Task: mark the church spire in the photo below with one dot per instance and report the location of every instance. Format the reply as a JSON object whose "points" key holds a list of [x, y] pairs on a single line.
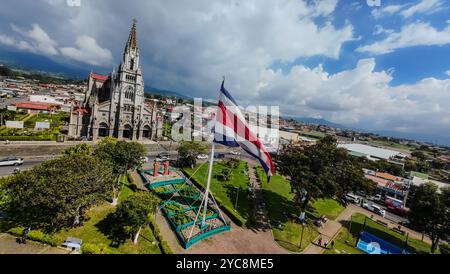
{"points": [[132, 38]]}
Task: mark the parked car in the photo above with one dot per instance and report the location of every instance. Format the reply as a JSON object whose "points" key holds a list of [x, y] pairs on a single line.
{"points": [[11, 161], [352, 198], [163, 157], [366, 205], [219, 155], [202, 157], [73, 243], [233, 152], [378, 210], [145, 159], [361, 193]]}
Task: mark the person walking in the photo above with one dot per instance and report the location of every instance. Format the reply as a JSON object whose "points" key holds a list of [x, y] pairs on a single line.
{"points": [[319, 242], [25, 233], [326, 243], [332, 244]]}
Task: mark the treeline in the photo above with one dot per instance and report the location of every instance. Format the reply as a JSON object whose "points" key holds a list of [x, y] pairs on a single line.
{"points": [[40, 77]]}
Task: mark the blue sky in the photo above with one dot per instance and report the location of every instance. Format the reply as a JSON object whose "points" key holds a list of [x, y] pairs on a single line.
{"points": [[383, 67]]}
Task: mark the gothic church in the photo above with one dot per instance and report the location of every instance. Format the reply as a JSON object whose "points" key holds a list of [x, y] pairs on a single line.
{"points": [[114, 105]]}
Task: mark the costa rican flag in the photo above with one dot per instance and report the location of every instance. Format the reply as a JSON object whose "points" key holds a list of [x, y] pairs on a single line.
{"points": [[231, 129]]}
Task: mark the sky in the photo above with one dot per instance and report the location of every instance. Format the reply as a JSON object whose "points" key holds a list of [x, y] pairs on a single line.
{"points": [[377, 65]]}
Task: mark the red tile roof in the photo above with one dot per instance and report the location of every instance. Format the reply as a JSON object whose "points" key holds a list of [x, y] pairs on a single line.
{"points": [[99, 77], [35, 105]]}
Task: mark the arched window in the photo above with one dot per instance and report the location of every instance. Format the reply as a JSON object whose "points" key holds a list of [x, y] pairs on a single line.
{"points": [[132, 64]]}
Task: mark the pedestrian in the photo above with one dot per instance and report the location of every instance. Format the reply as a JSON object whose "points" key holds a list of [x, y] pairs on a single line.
{"points": [[332, 244], [320, 241], [25, 233], [326, 243]]}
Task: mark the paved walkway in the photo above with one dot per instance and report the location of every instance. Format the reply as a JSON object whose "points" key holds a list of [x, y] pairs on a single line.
{"points": [[9, 245]]}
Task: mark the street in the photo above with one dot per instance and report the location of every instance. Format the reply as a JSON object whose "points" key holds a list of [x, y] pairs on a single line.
{"points": [[389, 215]]}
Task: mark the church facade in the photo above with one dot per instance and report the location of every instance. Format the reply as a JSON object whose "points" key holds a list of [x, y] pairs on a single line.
{"points": [[114, 105]]}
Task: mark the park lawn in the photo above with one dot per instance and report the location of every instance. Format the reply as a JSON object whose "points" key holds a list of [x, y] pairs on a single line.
{"points": [[344, 243], [225, 192], [328, 207], [91, 232], [414, 245], [283, 212]]}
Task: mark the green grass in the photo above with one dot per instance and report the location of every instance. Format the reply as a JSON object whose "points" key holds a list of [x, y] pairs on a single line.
{"points": [[91, 231], [357, 224], [283, 212], [225, 192], [390, 144], [328, 207], [344, 243]]}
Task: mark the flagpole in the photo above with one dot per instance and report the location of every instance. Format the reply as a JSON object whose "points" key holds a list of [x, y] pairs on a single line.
{"points": [[211, 161]]}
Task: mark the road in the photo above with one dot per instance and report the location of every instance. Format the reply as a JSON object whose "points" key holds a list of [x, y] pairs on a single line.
{"points": [[31, 162], [389, 215]]}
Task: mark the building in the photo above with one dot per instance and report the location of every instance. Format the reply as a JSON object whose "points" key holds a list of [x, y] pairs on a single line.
{"points": [[114, 105], [389, 186], [373, 153]]}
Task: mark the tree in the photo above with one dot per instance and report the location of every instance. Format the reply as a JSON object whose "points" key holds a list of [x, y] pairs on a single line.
{"points": [[188, 152], [430, 212], [133, 213], [83, 149], [57, 193], [226, 174], [121, 156], [322, 171]]}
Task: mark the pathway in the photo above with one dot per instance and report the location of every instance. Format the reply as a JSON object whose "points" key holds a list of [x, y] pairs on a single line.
{"points": [[9, 245]]}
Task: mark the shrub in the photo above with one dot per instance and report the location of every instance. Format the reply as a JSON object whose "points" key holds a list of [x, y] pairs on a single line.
{"points": [[36, 235], [95, 249], [165, 248], [445, 248]]}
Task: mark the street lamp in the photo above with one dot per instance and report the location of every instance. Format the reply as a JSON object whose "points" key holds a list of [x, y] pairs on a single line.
{"points": [[302, 221], [237, 196]]}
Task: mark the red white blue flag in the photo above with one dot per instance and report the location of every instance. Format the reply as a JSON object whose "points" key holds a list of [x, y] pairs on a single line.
{"points": [[231, 129]]}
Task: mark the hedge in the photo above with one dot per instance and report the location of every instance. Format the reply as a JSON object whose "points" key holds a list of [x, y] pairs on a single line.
{"points": [[38, 236], [163, 245], [87, 248]]}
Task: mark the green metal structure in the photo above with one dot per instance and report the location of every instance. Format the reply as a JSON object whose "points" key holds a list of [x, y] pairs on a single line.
{"points": [[181, 207]]}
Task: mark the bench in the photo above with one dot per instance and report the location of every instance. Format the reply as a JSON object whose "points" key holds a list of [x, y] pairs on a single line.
{"points": [[402, 232], [381, 223]]}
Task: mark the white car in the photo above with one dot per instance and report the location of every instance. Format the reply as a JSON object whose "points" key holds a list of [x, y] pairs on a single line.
{"points": [[378, 210], [352, 198], [202, 157], [145, 159], [366, 205], [11, 161], [235, 153]]}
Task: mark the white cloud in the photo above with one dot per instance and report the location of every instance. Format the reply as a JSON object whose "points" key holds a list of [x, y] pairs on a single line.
{"points": [[387, 10], [424, 6], [39, 40], [447, 72], [361, 97], [414, 34], [88, 51], [7, 40]]}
